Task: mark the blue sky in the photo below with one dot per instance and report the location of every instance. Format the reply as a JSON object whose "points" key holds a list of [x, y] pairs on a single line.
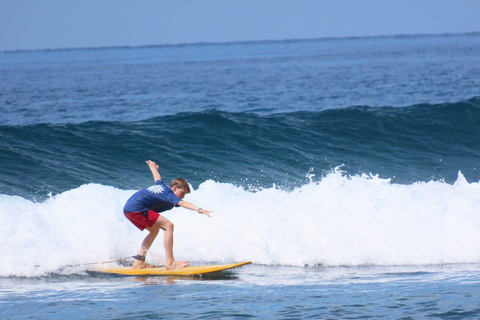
{"points": [[34, 24]]}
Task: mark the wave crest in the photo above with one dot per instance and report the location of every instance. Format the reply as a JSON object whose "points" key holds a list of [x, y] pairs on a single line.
{"points": [[339, 221]]}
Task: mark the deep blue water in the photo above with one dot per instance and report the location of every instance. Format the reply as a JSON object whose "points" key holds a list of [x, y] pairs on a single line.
{"points": [[380, 125], [415, 143]]}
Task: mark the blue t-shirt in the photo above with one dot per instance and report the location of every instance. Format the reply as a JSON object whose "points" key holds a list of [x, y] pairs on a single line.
{"points": [[158, 197]]}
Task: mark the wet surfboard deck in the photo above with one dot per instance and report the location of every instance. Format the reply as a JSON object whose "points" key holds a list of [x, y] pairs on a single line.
{"points": [[187, 271]]}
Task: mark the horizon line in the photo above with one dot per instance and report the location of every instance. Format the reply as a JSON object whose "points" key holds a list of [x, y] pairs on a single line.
{"points": [[233, 42]]}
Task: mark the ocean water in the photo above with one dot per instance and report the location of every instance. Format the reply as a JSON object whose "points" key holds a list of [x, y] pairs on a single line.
{"points": [[345, 169]]}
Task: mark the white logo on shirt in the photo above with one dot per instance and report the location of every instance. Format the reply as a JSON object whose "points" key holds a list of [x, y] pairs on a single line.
{"points": [[156, 189]]}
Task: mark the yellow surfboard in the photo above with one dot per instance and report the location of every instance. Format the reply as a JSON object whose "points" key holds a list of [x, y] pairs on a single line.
{"points": [[187, 271]]}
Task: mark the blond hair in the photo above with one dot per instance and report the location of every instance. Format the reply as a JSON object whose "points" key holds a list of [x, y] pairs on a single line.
{"points": [[181, 184]]}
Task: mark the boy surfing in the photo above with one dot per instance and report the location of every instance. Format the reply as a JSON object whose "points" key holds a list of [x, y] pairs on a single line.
{"points": [[143, 208]]}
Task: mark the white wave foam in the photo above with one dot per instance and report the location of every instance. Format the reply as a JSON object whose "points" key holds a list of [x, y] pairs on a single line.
{"points": [[340, 220]]}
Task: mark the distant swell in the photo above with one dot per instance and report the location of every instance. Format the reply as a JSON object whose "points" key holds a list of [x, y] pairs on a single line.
{"points": [[416, 143]]}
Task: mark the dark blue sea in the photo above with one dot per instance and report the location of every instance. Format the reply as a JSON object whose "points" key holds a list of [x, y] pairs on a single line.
{"points": [[346, 169]]}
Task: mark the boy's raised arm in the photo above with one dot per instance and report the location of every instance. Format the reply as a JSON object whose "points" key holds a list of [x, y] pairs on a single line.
{"points": [[154, 168]]}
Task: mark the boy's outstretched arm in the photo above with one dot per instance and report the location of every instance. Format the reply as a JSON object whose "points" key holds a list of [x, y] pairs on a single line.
{"points": [[191, 206], [154, 168]]}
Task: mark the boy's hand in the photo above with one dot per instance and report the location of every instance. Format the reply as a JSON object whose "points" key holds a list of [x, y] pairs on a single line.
{"points": [[152, 165], [205, 212], [154, 168]]}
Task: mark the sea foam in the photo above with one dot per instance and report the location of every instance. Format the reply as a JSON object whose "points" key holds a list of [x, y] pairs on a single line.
{"points": [[338, 221]]}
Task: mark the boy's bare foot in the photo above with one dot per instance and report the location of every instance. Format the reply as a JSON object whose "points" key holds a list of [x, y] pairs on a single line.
{"points": [[177, 265], [142, 265]]}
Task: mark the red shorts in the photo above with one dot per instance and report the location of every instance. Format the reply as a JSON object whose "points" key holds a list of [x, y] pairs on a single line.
{"points": [[142, 221]]}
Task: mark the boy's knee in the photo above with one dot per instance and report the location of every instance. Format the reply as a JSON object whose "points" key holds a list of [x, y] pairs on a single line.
{"points": [[169, 225]]}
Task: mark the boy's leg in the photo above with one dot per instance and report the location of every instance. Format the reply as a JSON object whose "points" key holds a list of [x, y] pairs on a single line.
{"points": [[146, 244], [167, 226]]}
